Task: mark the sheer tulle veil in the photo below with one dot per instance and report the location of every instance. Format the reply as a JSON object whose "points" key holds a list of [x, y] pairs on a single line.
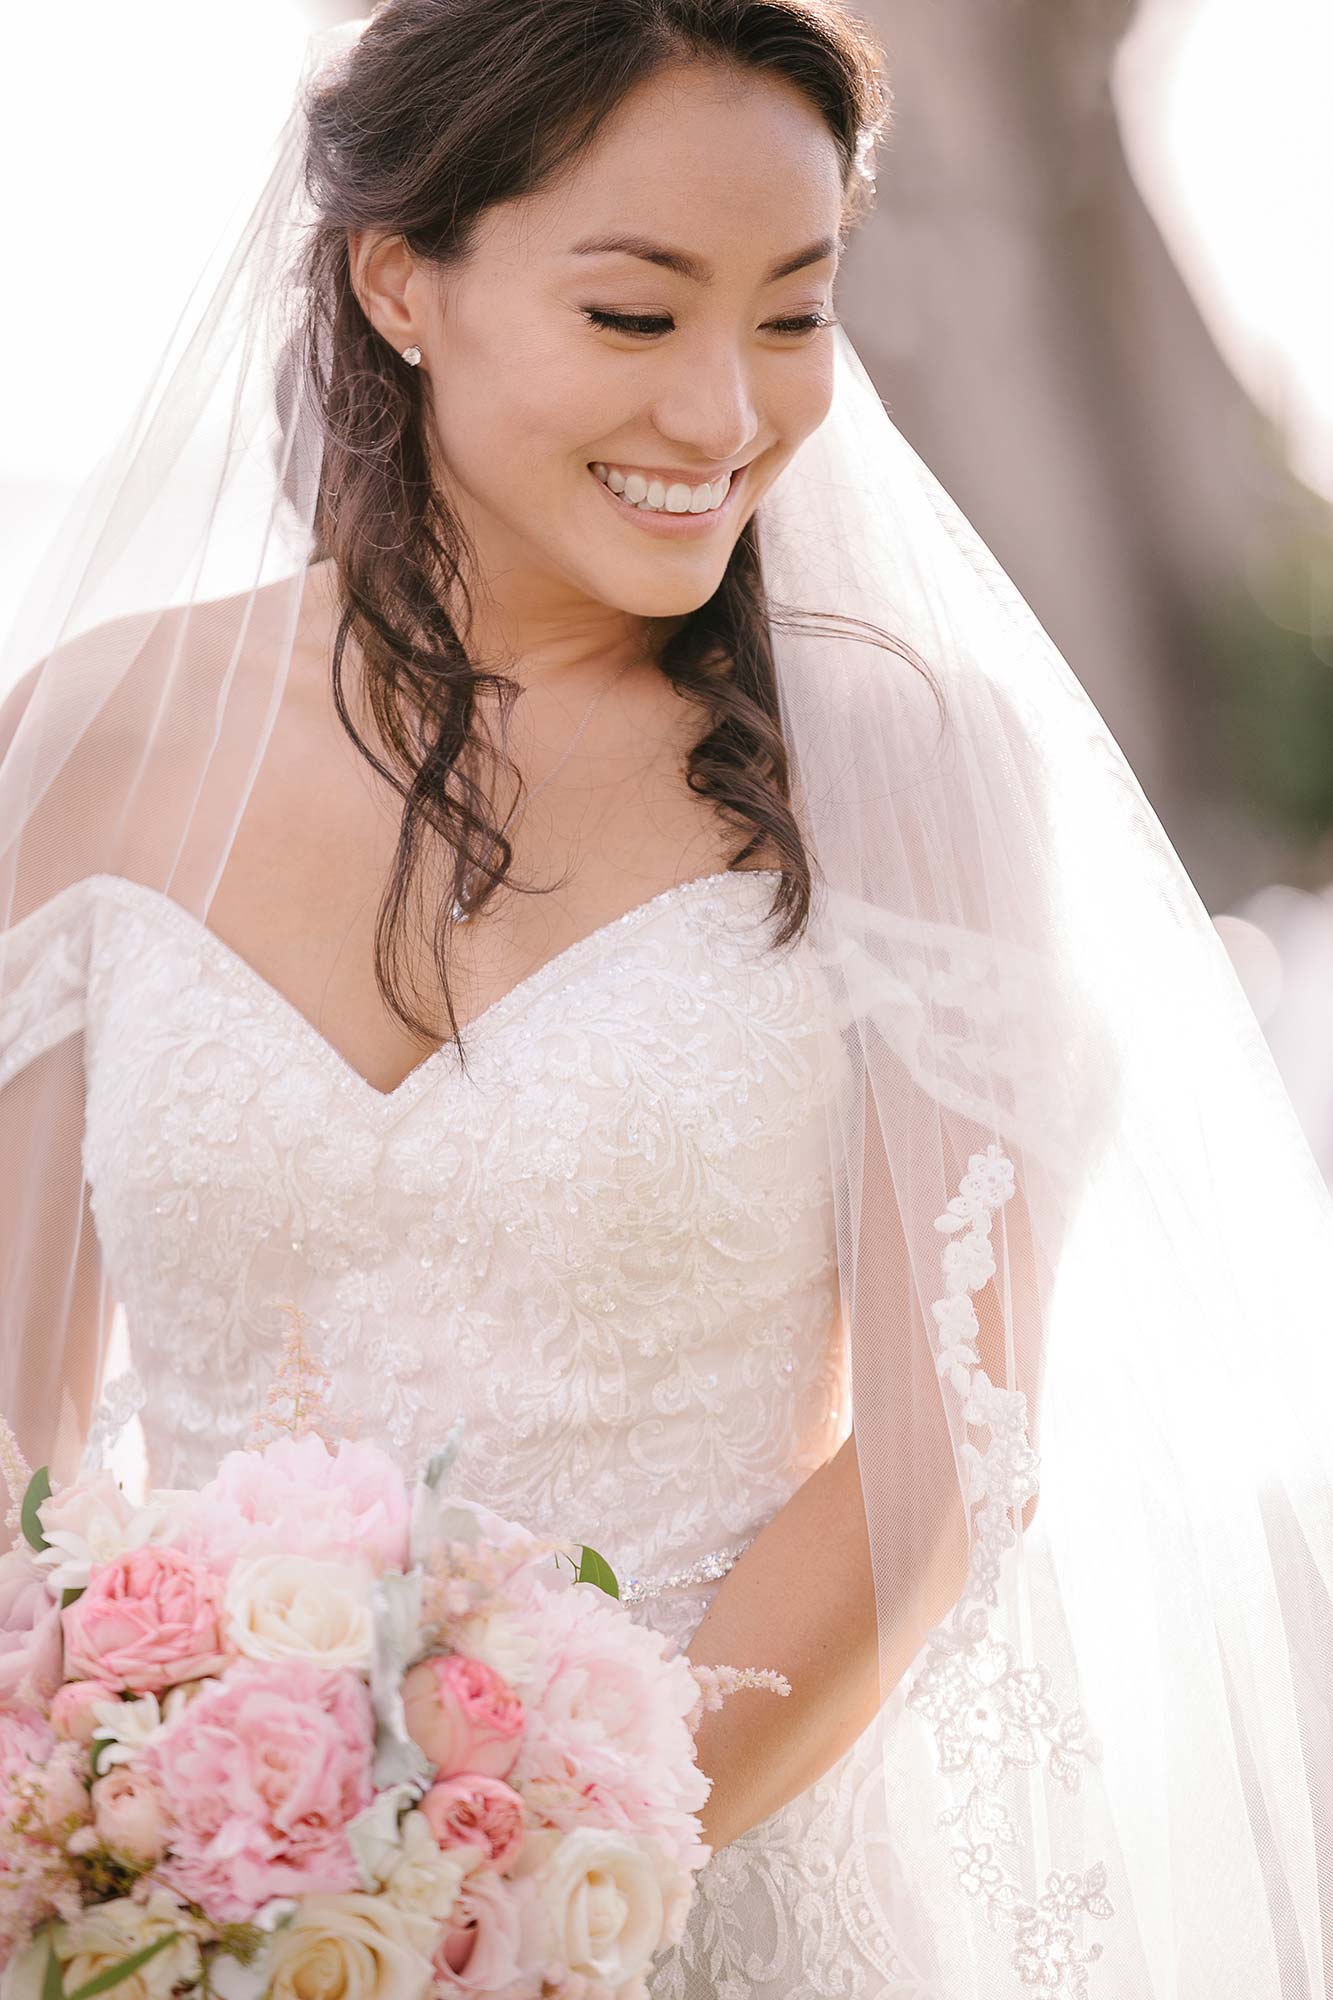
{"points": [[1082, 1241]]}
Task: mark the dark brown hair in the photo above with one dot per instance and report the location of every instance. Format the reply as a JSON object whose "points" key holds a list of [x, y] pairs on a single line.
{"points": [[441, 108]]}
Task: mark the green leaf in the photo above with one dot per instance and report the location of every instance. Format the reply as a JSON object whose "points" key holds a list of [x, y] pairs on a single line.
{"points": [[596, 1569], [53, 1986], [71, 1596], [100, 1746], [112, 1975], [39, 1489]]}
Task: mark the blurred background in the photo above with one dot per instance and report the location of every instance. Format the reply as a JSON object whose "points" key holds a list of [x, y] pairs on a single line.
{"points": [[1096, 296]]}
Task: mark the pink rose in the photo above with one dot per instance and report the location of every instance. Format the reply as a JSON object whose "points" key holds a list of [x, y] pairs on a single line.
{"points": [[263, 1771], [73, 1706], [476, 1811], [129, 1814], [482, 1947], [299, 1497], [464, 1715], [29, 1632], [149, 1617]]}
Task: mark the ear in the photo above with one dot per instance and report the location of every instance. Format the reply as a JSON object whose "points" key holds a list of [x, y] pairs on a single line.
{"points": [[384, 278]]}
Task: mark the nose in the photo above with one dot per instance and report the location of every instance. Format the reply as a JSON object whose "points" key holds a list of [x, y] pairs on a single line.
{"points": [[708, 410]]}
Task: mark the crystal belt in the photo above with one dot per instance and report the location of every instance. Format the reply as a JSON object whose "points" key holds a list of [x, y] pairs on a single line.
{"points": [[704, 1569]]}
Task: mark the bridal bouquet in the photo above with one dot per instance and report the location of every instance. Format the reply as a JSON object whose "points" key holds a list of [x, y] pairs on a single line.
{"points": [[316, 1729]]}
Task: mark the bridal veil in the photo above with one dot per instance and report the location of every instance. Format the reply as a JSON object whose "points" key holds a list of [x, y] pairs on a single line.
{"points": [[1083, 1244]]}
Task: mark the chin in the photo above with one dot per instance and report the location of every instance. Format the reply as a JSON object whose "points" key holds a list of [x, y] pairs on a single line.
{"points": [[654, 600]]}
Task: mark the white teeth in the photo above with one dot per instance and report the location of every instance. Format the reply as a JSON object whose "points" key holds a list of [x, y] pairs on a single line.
{"points": [[655, 496]]}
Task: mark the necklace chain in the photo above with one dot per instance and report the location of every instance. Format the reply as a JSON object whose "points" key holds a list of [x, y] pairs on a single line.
{"points": [[463, 903]]}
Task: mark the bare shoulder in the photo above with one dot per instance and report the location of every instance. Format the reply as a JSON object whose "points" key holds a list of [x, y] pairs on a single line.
{"points": [[91, 717]]}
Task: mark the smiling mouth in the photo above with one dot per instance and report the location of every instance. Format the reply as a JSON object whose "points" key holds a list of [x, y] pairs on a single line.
{"points": [[641, 508]]}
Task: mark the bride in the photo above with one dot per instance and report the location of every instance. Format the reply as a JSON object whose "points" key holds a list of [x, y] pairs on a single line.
{"points": [[454, 882]]}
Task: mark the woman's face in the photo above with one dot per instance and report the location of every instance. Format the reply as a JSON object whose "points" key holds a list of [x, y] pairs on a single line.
{"points": [[528, 387]]}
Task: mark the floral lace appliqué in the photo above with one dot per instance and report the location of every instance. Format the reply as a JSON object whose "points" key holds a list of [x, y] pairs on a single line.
{"points": [[993, 1716]]}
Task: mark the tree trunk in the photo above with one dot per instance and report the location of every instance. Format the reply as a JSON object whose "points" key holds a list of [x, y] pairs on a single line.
{"points": [[1033, 339]]}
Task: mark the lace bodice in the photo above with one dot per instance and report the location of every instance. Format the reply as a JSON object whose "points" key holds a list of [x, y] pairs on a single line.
{"points": [[608, 1243]]}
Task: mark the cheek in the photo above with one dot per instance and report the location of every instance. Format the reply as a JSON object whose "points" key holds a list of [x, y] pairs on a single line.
{"points": [[514, 429], [809, 395]]}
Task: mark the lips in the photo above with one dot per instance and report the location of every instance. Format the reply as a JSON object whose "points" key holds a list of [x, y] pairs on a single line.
{"points": [[648, 481]]}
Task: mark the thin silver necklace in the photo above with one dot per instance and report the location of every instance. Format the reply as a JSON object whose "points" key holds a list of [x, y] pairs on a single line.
{"points": [[463, 904]]}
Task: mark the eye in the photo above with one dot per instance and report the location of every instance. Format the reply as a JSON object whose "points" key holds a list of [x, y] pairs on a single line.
{"points": [[646, 325]]}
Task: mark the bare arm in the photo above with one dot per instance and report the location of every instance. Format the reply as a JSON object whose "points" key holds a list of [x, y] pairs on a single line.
{"points": [[801, 1599]]}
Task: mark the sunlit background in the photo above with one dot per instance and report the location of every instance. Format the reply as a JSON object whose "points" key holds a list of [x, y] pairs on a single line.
{"points": [[1097, 296]]}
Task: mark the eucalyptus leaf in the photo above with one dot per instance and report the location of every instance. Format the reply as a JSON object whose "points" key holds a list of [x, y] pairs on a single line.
{"points": [[440, 1461], [594, 1568], [39, 1489], [395, 1604]]}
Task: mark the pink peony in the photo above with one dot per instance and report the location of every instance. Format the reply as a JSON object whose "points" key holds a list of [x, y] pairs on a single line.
{"points": [[482, 1947], [150, 1617], [475, 1811], [73, 1709], [263, 1772], [607, 1743], [298, 1497], [129, 1814], [464, 1715], [29, 1632]]}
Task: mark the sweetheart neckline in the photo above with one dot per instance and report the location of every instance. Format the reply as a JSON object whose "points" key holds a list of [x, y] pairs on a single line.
{"points": [[481, 1023]]}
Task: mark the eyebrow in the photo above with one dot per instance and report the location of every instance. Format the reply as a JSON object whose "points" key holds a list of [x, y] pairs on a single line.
{"points": [[686, 266]]}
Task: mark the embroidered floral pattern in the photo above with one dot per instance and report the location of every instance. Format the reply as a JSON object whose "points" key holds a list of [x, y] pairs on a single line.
{"points": [[992, 1716], [611, 1247]]}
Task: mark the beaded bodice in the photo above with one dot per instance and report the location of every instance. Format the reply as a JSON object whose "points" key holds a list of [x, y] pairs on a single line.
{"points": [[608, 1243]]}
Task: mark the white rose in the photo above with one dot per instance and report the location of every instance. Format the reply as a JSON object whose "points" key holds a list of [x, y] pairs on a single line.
{"points": [[427, 1877], [314, 1608], [602, 1896], [106, 1933], [84, 1524], [359, 1947], [374, 1835], [498, 1639]]}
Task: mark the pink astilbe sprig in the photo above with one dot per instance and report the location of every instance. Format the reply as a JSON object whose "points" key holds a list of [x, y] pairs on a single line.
{"points": [[16, 1473], [296, 1402], [38, 1879], [716, 1683]]}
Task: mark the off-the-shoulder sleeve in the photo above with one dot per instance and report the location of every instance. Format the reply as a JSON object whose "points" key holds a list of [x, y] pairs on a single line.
{"points": [[44, 977], [55, 1306]]}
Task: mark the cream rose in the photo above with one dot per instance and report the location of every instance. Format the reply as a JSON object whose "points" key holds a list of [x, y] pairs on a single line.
{"points": [[358, 1947], [602, 1896], [109, 1932], [425, 1877], [317, 1609]]}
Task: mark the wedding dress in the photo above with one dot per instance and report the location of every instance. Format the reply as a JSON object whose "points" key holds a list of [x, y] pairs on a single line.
{"points": [[991, 1165], [609, 1246]]}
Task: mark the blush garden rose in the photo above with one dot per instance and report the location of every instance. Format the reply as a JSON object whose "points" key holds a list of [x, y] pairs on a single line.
{"points": [[372, 1739]]}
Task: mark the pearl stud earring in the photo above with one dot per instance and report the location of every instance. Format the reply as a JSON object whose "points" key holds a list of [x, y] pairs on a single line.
{"points": [[412, 356]]}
